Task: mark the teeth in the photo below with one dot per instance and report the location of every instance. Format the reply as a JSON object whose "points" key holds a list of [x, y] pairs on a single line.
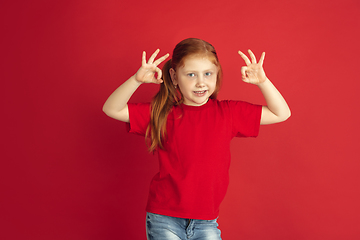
{"points": [[200, 91]]}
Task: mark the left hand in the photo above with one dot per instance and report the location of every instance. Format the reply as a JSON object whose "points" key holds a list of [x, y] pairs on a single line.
{"points": [[253, 72]]}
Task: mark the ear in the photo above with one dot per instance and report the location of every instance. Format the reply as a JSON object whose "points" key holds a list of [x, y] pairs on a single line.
{"points": [[173, 76]]}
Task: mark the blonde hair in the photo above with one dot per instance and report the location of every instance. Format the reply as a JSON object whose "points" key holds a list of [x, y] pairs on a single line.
{"points": [[168, 96]]}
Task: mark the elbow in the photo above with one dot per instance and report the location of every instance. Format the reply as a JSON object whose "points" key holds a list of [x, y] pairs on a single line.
{"points": [[122, 115], [269, 117], [286, 116], [108, 113], [106, 110]]}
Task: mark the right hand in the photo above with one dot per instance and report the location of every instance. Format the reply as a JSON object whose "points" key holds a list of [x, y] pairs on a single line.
{"points": [[146, 73]]}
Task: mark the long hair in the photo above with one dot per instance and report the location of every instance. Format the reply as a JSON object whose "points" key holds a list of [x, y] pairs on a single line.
{"points": [[169, 96]]}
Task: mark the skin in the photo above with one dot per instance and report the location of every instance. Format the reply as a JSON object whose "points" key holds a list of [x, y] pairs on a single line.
{"points": [[116, 105], [275, 111], [196, 80]]}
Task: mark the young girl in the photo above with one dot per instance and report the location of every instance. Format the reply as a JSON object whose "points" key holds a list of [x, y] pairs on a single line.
{"points": [[191, 131]]}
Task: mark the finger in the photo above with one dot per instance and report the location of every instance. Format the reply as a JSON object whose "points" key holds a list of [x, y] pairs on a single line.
{"points": [[160, 60], [253, 58], [261, 61], [246, 59], [153, 56], [158, 81], [159, 73], [243, 72], [143, 62]]}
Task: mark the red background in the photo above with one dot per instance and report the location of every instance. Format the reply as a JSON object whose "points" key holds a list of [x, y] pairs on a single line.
{"points": [[70, 172]]}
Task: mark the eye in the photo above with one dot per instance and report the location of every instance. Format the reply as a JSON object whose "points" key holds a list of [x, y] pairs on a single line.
{"points": [[191, 74], [208, 74]]}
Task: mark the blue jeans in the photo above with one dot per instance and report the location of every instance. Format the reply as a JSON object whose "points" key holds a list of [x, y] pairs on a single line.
{"points": [[160, 227]]}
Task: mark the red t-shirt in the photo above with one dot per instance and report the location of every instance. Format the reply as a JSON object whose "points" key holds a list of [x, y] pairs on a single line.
{"points": [[194, 167]]}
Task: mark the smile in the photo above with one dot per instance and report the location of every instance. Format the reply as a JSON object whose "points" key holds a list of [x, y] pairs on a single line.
{"points": [[200, 92]]}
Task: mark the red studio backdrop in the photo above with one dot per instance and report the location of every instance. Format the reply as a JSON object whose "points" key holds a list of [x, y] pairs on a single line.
{"points": [[70, 172]]}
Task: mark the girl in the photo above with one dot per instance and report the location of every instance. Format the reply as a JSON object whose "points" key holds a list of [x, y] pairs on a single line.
{"points": [[191, 132]]}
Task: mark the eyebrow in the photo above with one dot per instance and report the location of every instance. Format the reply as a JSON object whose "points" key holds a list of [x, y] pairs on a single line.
{"points": [[207, 70]]}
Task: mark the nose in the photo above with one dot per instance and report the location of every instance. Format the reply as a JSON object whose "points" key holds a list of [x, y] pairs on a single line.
{"points": [[200, 81]]}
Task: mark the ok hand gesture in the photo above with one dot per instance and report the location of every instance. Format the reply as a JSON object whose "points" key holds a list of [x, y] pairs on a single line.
{"points": [[146, 73], [253, 72]]}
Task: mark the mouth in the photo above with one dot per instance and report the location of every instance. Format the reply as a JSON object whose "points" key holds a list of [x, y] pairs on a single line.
{"points": [[200, 93]]}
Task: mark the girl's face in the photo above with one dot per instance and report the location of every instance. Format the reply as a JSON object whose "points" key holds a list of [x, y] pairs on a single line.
{"points": [[196, 80]]}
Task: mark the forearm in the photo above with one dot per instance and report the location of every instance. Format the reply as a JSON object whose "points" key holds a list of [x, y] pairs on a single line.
{"points": [[277, 110], [118, 100]]}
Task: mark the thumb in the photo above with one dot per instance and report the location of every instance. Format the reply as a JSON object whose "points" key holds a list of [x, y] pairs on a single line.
{"points": [[243, 72]]}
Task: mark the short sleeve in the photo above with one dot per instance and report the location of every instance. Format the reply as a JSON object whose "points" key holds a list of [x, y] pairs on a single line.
{"points": [[245, 118], [139, 115]]}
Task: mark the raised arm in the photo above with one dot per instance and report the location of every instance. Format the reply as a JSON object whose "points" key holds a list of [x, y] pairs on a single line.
{"points": [[116, 105], [277, 109]]}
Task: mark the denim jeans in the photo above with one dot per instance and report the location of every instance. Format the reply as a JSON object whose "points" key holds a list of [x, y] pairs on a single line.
{"points": [[160, 227]]}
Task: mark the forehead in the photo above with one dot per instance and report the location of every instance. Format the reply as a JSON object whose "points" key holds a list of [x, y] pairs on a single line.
{"points": [[198, 63]]}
